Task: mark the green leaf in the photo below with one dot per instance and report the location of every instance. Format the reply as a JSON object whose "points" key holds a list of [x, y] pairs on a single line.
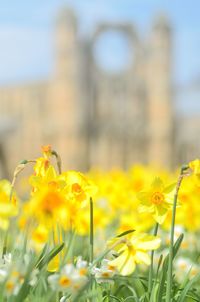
{"points": [[42, 253], [45, 259], [187, 288], [163, 275], [25, 288], [125, 233], [115, 298], [159, 264], [154, 293]]}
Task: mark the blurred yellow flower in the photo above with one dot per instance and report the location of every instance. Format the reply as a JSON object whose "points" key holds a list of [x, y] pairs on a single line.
{"points": [[8, 208], [195, 167], [78, 187], [132, 250], [57, 198], [157, 200], [47, 151]]}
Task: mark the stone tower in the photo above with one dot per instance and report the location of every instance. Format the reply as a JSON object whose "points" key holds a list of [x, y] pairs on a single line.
{"points": [[65, 109], [160, 111]]}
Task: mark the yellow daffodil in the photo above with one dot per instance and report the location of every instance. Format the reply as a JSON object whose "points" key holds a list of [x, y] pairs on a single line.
{"points": [[47, 151], [57, 198], [157, 200], [39, 237], [48, 206], [195, 167], [78, 187], [8, 208], [132, 249]]}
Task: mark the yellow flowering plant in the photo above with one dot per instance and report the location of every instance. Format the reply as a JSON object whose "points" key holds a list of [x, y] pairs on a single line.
{"points": [[8, 204], [131, 250], [195, 167], [158, 200], [63, 224]]}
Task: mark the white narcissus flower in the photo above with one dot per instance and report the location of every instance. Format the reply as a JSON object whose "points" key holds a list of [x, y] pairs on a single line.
{"points": [[184, 266], [7, 258], [194, 270], [34, 277], [71, 278], [81, 267], [64, 279], [13, 273], [63, 299], [3, 274], [5, 264], [105, 272]]}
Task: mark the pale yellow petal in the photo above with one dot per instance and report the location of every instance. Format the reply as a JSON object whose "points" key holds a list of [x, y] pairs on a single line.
{"points": [[125, 263], [148, 243], [142, 257]]}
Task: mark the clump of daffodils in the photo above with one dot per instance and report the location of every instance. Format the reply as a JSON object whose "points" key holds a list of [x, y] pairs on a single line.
{"points": [[56, 199], [59, 220]]}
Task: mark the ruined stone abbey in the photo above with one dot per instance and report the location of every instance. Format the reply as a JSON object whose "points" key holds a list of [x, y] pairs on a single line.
{"points": [[90, 116]]}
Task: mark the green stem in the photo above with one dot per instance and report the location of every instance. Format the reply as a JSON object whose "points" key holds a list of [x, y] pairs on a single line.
{"points": [[150, 280], [17, 170], [5, 244], [58, 161], [91, 231], [170, 263]]}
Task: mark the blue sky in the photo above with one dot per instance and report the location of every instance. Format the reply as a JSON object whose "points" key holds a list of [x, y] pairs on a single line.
{"points": [[26, 32]]}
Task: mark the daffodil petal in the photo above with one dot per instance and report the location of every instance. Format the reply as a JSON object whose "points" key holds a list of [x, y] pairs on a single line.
{"points": [[125, 263], [142, 257]]}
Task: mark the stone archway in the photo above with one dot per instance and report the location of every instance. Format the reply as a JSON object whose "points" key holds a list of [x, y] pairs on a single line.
{"points": [[116, 103], [127, 30]]}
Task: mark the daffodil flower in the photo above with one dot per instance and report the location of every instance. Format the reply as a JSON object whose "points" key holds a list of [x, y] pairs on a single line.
{"points": [[105, 272], [195, 167], [8, 208], [157, 201], [132, 250]]}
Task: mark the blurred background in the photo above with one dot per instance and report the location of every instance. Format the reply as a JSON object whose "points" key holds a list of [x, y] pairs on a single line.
{"points": [[108, 83]]}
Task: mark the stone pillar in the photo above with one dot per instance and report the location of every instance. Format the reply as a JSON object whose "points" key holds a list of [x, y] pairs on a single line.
{"points": [[160, 112], [65, 109]]}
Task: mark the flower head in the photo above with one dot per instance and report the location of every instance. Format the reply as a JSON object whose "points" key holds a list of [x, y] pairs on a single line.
{"points": [[105, 272], [195, 167], [132, 250], [157, 200], [8, 208], [47, 151], [71, 278], [78, 188]]}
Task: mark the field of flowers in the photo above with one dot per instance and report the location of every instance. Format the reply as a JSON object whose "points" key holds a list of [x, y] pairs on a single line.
{"points": [[105, 236]]}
